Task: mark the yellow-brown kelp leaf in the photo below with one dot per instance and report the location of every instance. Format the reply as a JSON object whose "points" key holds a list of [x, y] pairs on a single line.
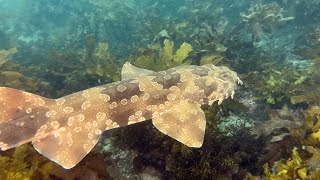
{"points": [[171, 59], [5, 53], [11, 75], [182, 53], [184, 121], [181, 25], [314, 161], [211, 59], [3, 61], [167, 51], [312, 118], [102, 63], [147, 59], [295, 167], [102, 50], [311, 53], [161, 58], [310, 97]]}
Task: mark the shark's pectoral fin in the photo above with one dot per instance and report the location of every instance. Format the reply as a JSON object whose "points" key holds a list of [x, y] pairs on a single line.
{"points": [[67, 146], [185, 122], [130, 71]]}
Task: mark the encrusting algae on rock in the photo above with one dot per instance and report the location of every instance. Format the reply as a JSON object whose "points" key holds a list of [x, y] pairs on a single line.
{"points": [[66, 129]]}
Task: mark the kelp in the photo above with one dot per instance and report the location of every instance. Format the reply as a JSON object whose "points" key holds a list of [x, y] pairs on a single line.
{"points": [[314, 55], [293, 168], [297, 166], [312, 119], [283, 131], [311, 97], [5, 53], [262, 18], [277, 86], [103, 64], [5, 57], [311, 92], [24, 163], [13, 75], [163, 57], [209, 39], [92, 66], [289, 84], [310, 38], [281, 123], [211, 59]]}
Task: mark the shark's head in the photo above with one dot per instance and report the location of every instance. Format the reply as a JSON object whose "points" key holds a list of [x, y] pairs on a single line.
{"points": [[208, 83], [220, 83]]}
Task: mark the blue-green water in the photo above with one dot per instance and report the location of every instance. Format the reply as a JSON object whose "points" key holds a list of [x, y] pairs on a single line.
{"points": [[55, 48]]}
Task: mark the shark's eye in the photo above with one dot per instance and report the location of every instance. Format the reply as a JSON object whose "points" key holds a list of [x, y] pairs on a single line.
{"points": [[224, 74]]}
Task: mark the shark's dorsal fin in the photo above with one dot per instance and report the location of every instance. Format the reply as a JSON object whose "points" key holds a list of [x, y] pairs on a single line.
{"points": [[68, 146], [185, 122], [130, 71]]}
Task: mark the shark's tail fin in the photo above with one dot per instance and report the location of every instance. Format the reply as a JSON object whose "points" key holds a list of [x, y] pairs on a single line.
{"points": [[21, 116]]}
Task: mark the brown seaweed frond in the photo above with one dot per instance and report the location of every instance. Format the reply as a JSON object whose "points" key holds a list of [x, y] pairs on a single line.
{"points": [[163, 57]]}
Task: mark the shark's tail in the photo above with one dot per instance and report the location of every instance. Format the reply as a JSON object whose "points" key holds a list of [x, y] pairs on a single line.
{"points": [[25, 117], [21, 116]]}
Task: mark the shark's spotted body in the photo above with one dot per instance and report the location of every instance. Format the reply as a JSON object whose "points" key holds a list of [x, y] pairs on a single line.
{"points": [[66, 129]]}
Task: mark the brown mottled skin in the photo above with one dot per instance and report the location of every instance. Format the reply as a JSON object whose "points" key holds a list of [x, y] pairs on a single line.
{"points": [[66, 129]]}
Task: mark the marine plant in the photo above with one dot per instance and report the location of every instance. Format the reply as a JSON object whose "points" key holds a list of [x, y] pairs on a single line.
{"points": [[232, 153], [303, 165], [91, 66], [296, 167], [102, 64], [277, 86], [310, 92], [312, 119], [176, 160], [310, 39], [24, 163], [14, 75], [163, 57], [262, 18], [293, 168], [208, 39]]}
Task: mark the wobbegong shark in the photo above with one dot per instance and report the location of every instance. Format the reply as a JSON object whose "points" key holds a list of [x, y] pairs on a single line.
{"points": [[66, 129]]}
